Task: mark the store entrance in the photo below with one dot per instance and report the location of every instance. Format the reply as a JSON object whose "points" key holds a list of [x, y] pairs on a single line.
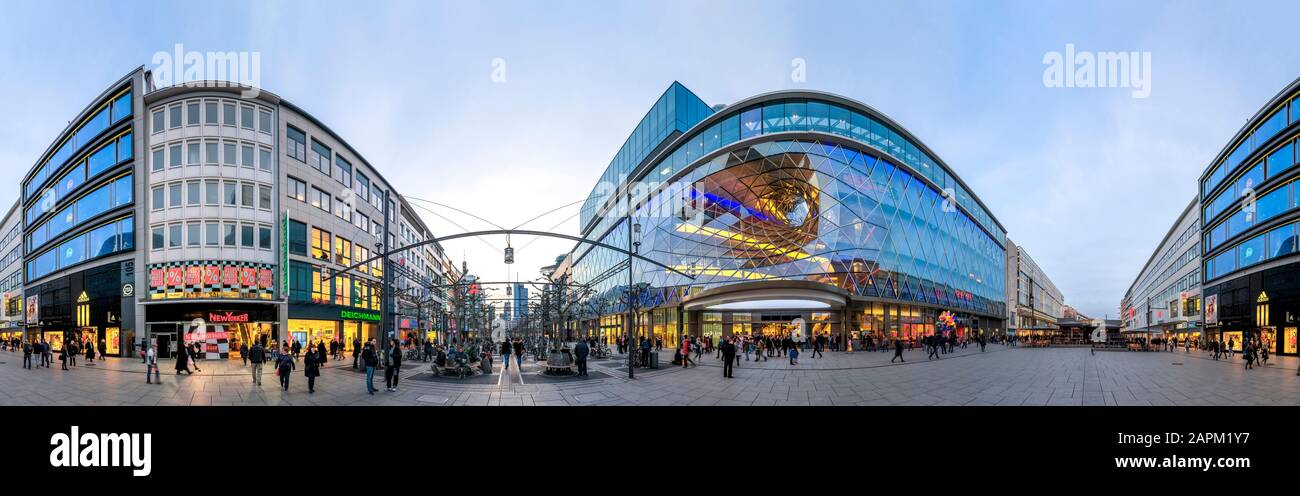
{"points": [[165, 341], [776, 330]]}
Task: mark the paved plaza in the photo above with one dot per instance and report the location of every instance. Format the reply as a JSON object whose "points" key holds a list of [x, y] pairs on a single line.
{"points": [[999, 376]]}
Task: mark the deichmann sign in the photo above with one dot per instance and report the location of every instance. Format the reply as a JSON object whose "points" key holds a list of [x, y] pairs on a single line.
{"points": [[355, 315]]}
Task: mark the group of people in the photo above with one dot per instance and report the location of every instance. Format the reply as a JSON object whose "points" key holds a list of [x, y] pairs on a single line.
{"points": [[43, 351]]}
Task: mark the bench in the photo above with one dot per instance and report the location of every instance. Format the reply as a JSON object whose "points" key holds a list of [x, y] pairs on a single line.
{"points": [[452, 368], [555, 368]]}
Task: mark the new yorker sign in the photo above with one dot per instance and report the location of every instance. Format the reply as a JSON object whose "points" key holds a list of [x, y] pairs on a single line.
{"points": [[227, 317]]}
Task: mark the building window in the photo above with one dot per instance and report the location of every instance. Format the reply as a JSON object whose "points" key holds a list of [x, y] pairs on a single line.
{"points": [[175, 151], [210, 115], [297, 237], [320, 199], [231, 194], [320, 157], [192, 196], [246, 156], [192, 114], [246, 195], [246, 236], [174, 236], [264, 121], [157, 161], [211, 196], [264, 197], [229, 152], [211, 153], [157, 237], [193, 236], [157, 201], [159, 121], [264, 159], [229, 234], [297, 189], [264, 237], [174, 195], [175, 120], [213, 233], [228, 111], [246, 116], [320, 244], [343, 252], [297, 144]]}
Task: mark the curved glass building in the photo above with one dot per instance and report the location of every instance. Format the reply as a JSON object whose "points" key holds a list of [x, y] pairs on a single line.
{"points": [[1248, 198], [792, 211]]}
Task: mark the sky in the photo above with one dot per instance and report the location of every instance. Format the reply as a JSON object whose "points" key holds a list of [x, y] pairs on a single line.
{"points": [[1088, 180]]}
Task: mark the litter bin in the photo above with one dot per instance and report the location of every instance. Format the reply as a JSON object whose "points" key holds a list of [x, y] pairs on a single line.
{"points": [[654, 360]]}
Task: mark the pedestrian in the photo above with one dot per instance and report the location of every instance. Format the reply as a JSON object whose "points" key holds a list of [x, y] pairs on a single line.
{"points": [[394, 366], [320, 352], [898, 351], [284, 367], [1263, 355], [70, 352], [243, 352], [728, 352], [686, 353], [194, 356], [257, 356], [182, 360], [46, 353], [505, 351], [518, 346], [63, 357], [932, 344], [151, 372], [1232, 344], [27, 355], [580, 352], [90, 351], [311, 366], [356, 350], [370, 360]]}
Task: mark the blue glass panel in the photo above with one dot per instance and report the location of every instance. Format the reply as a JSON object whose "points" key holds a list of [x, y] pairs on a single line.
{"points": [[1282, 241], [41, 265], [1271, 204], [71, 181], [730, 131], [61, 221], [1251, 179], [751, 122], [840, 120], [123, 191], [1280, 160], [127, 240], [95, 203], [1252, 251], [122, 107], [103, 240], [774, 119], [125, 147], [819, 117], [72, 251], [1224, 263], [796, 114], [92, 128], [1270, 127], [102, 159]]}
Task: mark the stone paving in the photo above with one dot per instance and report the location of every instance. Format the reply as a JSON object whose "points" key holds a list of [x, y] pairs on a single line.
{"points": [[999, 376]]}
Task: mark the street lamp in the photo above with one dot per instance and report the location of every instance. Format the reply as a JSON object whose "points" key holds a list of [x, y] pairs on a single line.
{"points": [[634, 240]]}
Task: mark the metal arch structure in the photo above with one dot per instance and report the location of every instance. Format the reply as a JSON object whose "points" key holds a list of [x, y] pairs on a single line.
{"points": [[506, 232]]}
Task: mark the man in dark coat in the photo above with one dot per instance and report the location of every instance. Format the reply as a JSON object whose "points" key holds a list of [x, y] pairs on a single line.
{"points": [[356, 351], [243, 352], [257, 355], [182, 360], [580, 352], [311, 366], [728, 357], [320, 352], [898, 351]]}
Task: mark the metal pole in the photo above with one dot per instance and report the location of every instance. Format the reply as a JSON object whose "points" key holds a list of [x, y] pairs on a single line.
{"points": [[386, 322], [630, 298]]}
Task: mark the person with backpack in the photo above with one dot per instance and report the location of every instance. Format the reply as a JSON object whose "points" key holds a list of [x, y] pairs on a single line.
{"points": [[311, 367], [256, 357], [284, 366], [394, 367], [151, 366], [371, 361]]}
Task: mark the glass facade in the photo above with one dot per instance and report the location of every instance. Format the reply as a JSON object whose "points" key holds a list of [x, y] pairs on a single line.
{"points": [[867, 215], [1252, 186]]}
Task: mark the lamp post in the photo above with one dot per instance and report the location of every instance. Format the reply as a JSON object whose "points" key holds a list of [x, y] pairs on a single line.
{"points": [[634, 241]]}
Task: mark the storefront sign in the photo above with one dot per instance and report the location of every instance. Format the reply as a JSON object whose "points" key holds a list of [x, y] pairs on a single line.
{"points": [[1212, 309], [227, 317], [211, 279], [355, 315], [128, 290]]}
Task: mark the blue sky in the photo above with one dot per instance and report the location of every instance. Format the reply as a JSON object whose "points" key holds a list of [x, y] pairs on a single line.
{"points": [[1088, 180]]}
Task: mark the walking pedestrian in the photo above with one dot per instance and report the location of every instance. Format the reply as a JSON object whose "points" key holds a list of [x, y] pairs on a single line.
{"points": [[311, 367], [63, 357], [394, 368], [257, 356], [728, 352], [371, 360], [518, 347], [356, 350], [898, 351], [151, 366], [243, 352], [90, 351], [182, 360], [284, 367]]}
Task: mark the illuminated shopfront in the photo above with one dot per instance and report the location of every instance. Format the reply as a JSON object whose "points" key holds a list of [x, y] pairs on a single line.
{"points": [[219, 329], [311, 323]]}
